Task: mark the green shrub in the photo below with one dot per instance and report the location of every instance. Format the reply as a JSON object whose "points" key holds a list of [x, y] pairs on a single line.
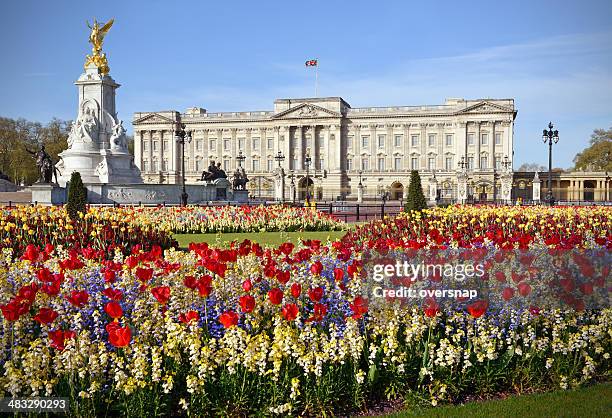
{"points": [[77, 196], [415, 199]]}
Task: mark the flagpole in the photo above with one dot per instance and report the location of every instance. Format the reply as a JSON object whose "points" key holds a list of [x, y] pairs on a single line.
{"points": [[317, 79]]}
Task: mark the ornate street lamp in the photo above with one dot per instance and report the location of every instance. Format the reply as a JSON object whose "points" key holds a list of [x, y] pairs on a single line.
{"points": [[240, 158], [279, 158], [181, 137], [550, 136], [307, 161], [360, 173]]}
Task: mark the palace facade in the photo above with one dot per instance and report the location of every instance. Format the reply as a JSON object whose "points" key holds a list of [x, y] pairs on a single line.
{"points": [[378, 146]]}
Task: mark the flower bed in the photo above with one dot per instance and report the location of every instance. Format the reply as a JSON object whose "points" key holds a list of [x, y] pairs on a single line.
{"points": [[247, 330]]}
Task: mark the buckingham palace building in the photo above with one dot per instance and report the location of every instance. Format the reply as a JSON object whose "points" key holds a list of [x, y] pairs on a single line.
{"points": [[329, 147]]}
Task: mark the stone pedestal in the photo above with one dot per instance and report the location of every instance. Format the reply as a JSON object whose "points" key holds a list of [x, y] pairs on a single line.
{"points": [[48, 194], [462, 180], [506, 187], [240, 196], [97, 144], [279, 185], [292, 191], [433, 190], [537, 186], [359, 193]]}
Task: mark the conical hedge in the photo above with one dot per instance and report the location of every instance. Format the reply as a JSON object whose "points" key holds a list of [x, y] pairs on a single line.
{"points": [[77, 196], [415, 199]]}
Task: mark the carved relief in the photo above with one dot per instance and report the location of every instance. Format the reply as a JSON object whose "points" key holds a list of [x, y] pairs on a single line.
{"points": [[307, 111]]}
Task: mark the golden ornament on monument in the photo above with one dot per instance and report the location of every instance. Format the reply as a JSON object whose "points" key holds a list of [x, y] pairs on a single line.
{"points": [[96, 39]]}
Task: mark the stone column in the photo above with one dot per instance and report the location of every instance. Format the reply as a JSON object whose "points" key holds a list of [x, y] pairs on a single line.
{"points": [[462, 179], [492, 146], [477, 156], [299, 139], [423, 145], [433, 189], [286, 133], [337, 130], [248, 153]]}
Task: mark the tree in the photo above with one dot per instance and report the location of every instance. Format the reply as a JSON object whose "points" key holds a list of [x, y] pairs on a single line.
{"points": [[77, 196], [532, 167], [598, 156], [415, 199]]}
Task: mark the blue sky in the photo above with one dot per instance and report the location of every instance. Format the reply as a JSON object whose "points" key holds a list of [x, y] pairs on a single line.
{"points": [[553, 57]]}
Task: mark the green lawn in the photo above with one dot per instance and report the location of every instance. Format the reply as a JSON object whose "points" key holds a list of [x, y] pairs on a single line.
{"points": [[263, 238], [594, 401]]}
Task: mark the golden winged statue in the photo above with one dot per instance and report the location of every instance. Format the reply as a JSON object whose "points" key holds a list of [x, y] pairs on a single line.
{"points": [[96, 39]]}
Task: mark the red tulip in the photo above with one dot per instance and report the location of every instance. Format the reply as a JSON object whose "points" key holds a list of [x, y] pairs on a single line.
{"points": [[78, 298], [32, 253], [247, 303], [161, 293], [228, 319], [190, 282], [59, 337], [296, 290], [282, 276], [188, 317], [316, 294], [290, 311], [524, 289], [113, 309], [247, 285], [508, 293], [319, 312], [338, 274], [109, 276], [45, 316], [275, 295], [119, 336], [359, 307], [44, 275], [144, 274], [478, 308], [112, 294], [204, 286], [286, 248], [316, 268], [431, 308], [500, 276], [11, 311]]}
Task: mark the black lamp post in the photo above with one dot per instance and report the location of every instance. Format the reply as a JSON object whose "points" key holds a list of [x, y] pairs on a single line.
{"points": [[360, 173], [181, 137], [307, 161], [240, 158], [279, 158], [550, 136], [607, 185], [292, 177]]}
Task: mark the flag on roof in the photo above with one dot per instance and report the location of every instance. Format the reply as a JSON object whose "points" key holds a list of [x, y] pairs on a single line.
{"points": [[312, 63]]}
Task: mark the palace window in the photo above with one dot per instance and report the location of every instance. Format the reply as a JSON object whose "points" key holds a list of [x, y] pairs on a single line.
{"points": [[349, 141], [381, 164], [198, 165], [308, 141], [270, 143], [397, 140], [145, 165], [484, 162], [255, 165], [270, 164], [449, 140], [497, 162], [165, 143], [154, 166], [226, 165], [381, 141], [164, 165], [155, 145], [241, 144], [414, 163], [349, 164], [226, 144], [431, 141], [431, 163], [484, 139], [397, 165], [321, 163], [470, 139], [365, 164], [498, 138], [255, 144], [145, 145], [448, 164], [470, 163], [293, 164], [213, 145], [365, 141]]}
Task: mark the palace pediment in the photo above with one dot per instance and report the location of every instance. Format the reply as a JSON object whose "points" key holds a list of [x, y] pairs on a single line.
{"points": [[305, 111], [485, 107], [153, 118]]}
